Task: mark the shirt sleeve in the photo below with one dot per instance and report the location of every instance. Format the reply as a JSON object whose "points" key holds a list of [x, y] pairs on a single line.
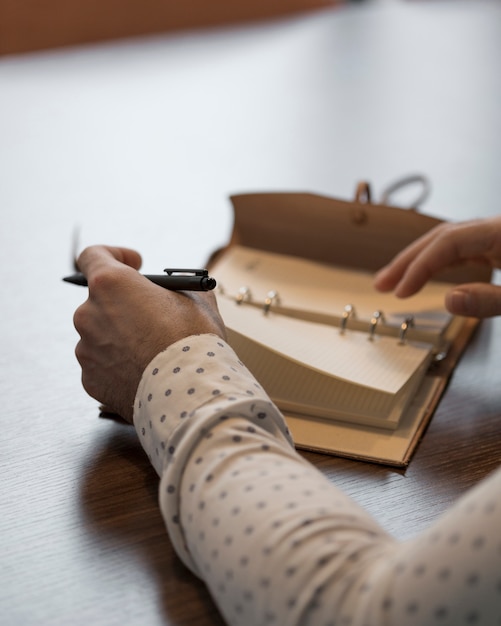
{"points": [[274, 540]]}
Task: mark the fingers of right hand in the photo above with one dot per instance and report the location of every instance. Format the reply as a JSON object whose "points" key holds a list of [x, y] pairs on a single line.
{"points": [[96, 257], [475, 300], [389, 276], [444, 246], [106, 275]]}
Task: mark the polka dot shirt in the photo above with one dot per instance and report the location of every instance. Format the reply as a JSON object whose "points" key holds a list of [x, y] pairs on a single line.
{"points": [[274, 540]]}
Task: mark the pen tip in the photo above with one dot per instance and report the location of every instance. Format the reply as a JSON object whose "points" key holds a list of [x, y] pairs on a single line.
{"points": [[76, 279]]}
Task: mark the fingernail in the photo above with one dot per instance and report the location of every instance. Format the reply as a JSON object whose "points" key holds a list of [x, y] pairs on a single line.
{"points": [[460, 301]]}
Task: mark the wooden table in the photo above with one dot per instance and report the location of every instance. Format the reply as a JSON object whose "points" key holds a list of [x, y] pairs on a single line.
{"points": [[139, 143]]}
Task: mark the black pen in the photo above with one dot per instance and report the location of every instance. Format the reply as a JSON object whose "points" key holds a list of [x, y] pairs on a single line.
{"points": [[174, 279]]}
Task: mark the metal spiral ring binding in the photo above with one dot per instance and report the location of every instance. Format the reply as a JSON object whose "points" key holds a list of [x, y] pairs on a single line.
{"points": [[243, 295], [349, 311], [377, 317], [271, 297], [404, 327]]}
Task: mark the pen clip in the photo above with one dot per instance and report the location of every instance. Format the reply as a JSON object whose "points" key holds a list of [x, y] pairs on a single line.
{"points": [[171, 271]]}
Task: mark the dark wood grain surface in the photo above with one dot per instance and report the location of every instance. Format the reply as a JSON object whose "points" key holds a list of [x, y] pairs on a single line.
{"points": [[139, 144]]}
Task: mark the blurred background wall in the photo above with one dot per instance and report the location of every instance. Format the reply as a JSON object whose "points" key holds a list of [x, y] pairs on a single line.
{"points": [[27, 25]]}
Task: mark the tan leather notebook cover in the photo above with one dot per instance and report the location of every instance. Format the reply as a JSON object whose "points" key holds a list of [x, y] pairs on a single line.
{"points": [[362, 236]]}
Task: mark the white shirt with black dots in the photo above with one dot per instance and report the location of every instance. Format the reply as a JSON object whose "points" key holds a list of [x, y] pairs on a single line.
{"points": [[274, 540]]}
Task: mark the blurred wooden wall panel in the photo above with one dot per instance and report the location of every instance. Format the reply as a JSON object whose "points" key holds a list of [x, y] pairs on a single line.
{"points": [[27, 25]]}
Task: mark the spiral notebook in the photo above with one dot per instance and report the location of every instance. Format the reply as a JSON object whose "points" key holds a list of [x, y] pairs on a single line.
{"points": [[355, 372]]}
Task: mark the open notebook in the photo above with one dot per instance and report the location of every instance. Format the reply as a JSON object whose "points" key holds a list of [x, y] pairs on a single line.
{"points": [[323, 342], [356, 373]]}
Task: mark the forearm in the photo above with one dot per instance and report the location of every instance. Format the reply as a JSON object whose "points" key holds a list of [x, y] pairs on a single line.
{"points": [[266, 531]]}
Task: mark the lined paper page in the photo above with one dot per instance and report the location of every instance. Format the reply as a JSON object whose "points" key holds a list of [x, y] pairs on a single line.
{"points": [[309, 286], [382, 364], [296, 389]]}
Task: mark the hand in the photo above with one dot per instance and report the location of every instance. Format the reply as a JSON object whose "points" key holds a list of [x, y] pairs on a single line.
{"points": [[127, 320], [447, 245]]}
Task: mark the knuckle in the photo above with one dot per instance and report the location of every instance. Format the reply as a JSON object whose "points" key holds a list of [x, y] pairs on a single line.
{"points": [[90, 386], [447, 230], [106, 279], [80, 353], [81, 319], [90, 379]]}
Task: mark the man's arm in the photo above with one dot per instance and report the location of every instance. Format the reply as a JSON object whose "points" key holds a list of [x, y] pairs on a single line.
{"points": [[273, 539]]}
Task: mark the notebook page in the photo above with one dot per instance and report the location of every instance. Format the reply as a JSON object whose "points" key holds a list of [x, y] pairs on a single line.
{"points": [[296, 389], [309, 286], [381, 364]]}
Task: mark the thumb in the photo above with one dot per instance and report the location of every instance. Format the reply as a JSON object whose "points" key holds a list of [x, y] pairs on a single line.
{"points": [[474, 300]]}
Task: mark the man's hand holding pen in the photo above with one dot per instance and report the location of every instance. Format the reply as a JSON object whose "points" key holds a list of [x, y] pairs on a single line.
{"points": [[127, 320]]}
